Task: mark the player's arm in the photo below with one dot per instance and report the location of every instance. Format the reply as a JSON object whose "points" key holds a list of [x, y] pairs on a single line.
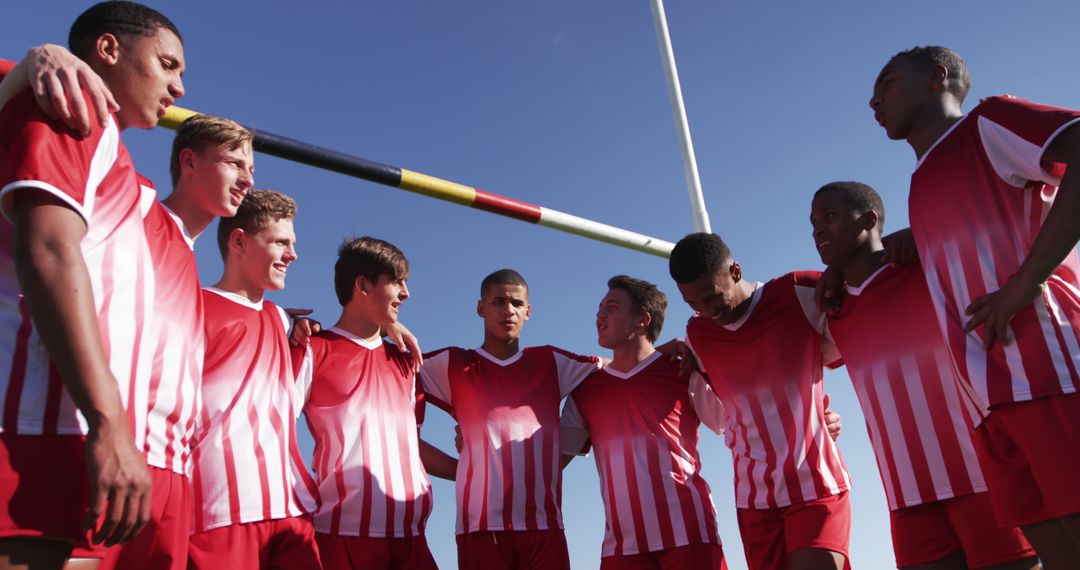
{"points": [[58, 79], [437, 462], [1057, 237], [56, 285], [573, 433]]}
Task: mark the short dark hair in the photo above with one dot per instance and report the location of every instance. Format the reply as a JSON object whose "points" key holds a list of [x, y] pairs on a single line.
{"points": [[259, 209], [644, 298], [503, 277], [929, 56], [368, 257], [860, 195], [120, 18], [697, 255]]}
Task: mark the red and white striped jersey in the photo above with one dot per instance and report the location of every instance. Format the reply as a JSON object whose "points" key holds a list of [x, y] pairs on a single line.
{"points": [[93, 175], [164, 399], [508, 475], [364, 409], [767, 370], [910, 395], [978, 199], [247, 466], [644, 427]]}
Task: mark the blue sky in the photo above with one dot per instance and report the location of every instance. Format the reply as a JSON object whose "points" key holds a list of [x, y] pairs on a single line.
{"points": [[563, 103]]}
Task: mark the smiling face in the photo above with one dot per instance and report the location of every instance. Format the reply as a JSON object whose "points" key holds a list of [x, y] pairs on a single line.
{"points": [[265, 254], [504, 308], [144, 75], [840, 228], [901, 92], [617, 322], [715, 295], [219, 177], [381, 298]]}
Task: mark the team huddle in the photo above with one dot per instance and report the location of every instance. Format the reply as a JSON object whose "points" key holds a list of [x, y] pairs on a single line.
{"points": [[150, 422]]}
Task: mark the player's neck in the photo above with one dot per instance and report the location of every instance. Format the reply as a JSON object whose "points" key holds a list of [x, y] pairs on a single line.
{"points": [[932, 126], [195, 219], [746, 294], [358, 325], [234, 283], [631, 353], [501, 349], [863, 265]]}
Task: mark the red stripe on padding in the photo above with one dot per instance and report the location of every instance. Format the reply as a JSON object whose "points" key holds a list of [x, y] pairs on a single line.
{"points": [[507, 206], [6, 66]]}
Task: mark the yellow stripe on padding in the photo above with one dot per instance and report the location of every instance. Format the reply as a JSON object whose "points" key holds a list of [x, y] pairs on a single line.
{"points": [[174, 116], [437, 188]]}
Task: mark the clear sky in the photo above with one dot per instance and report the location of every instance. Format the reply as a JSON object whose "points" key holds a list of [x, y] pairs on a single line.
{"points": [[563, 103]]}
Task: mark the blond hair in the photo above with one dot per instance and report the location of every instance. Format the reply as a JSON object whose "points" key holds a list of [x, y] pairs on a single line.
{"points": [[200, 131]]}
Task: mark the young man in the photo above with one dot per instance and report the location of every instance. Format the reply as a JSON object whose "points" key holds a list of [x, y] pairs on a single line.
{"points": [[251, 488], [506, 402], [77, 273], [915, 412], [762, 347], [643, 419], [996, 238], [364, 408]]}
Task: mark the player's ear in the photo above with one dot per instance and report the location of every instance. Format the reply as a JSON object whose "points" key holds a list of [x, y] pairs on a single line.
{"points": [[528, 311], [870, 220], [736, 271], [360, 285], [939, 75], [187, 159], [236, 241], [107, 48], [646, 319]]}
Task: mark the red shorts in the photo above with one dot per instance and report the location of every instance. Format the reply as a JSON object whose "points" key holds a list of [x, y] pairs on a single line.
{"points": [[163, 544], [931, 531], [514, 550], [1030, 455], [696, 556], [770, 535], [283, 543], [44, 490], [364, 553]]}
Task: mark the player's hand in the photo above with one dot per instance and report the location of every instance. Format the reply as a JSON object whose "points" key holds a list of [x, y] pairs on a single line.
{"points": [[900, 248], [994, 311], [832, 421], [58, 78], [459, 442], [303, 327], [678, 351], [401, 336], [119, 484], [829, 291]]}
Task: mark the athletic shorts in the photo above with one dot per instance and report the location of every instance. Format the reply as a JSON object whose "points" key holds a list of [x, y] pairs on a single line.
{"points": [[1030, 455], [163, 543], [770, 535], [514, 550], [283, 544], [696, 556], [931, 531], [362, 553], [45, 491]]}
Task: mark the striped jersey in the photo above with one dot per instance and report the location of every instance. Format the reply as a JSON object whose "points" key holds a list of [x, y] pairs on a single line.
{"points": [[766, 368], [643, 425], [93, 175], [364, 409], [508, 475], [918, 418], [978, 199], [164, 399], [247, 465]]}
